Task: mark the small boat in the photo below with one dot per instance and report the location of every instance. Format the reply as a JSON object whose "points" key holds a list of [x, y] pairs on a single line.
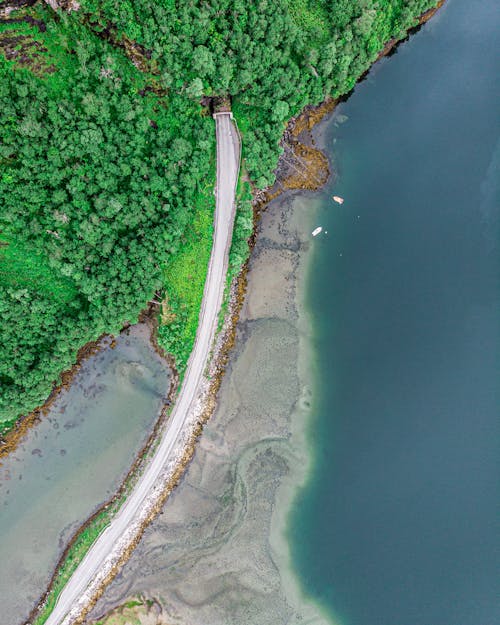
{"points": [[338, 199], [316, 231]]}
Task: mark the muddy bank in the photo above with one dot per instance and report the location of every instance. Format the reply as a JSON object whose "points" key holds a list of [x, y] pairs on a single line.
{"points": [[13, 434]]}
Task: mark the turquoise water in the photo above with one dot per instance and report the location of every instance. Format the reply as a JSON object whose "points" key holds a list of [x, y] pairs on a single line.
{"points": [[397, 524]]}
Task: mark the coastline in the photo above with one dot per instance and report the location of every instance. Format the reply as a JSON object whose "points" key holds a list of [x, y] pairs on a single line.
{"points": [[300, 128], [302, 417], [301, 452], [340, 512]]}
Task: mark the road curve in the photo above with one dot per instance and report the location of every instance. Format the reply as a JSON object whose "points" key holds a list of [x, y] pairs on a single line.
{"points": [[228, 156]]}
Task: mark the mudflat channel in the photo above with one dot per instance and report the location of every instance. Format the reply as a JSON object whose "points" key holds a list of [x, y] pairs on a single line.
{"points": [[217, 554], [73, 460]]}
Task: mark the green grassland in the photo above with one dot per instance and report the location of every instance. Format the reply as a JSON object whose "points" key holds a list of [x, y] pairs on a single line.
{"points": [[184, 278], [24, 268]]}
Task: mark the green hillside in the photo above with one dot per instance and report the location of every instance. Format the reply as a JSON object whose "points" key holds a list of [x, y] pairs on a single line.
{"points": [[107, 153]]}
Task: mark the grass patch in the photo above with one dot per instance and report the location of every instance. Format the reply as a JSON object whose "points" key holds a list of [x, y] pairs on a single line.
{"points": [[311, 16], [25, 268], [77, 552], [126, 614], [184, 280], [74, 557], [243, 227], [24, 42], [133, 604], [7, 425], [240, 249]]}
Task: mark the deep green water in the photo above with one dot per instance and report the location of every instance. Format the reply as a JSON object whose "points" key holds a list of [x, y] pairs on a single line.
{"points": [[397, 524]]}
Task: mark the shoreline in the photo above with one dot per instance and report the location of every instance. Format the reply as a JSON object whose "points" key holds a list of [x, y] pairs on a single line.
{"points": [[15, 431], [299, 128], [301, 451], [301, 418]]}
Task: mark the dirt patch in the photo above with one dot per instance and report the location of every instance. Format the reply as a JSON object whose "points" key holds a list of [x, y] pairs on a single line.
{"points": [[138, 54], [14, 5]]}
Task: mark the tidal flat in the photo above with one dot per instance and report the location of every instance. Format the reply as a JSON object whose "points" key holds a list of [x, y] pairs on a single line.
{"points": [[73, 460], [218, 552]]}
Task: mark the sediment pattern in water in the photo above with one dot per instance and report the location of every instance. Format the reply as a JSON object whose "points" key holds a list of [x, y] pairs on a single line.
{"points": [[216, 554]]}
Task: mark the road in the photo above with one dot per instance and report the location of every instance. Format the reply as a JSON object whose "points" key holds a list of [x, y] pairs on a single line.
{"points": [[228, 155]]}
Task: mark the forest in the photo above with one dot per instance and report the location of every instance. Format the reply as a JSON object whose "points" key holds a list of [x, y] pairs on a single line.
{"points": [[107, 154]]}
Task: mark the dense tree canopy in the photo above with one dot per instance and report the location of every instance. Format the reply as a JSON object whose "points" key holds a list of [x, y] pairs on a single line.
{"points": [[105, 147]]}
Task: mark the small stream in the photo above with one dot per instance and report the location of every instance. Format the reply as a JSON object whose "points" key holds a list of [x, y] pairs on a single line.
{"points": [[74, 460]]}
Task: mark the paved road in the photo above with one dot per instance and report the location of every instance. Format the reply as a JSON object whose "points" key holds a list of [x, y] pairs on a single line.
{"points": [[228, 154]]}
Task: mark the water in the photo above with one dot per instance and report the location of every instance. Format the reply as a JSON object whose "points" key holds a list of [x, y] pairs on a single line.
{"points": [[72, 461], [397, 523]]}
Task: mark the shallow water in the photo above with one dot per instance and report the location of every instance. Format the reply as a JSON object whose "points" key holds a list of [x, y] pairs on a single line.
{"points": [[215, 556], [72, 461], [397, 523]]}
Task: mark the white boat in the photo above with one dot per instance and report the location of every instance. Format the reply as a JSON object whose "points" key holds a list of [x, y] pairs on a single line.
{"points": [[338, 199], [316, 231]]}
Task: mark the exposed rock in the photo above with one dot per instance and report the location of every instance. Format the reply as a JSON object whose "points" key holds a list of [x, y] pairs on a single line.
{"points": [[65, 5]]}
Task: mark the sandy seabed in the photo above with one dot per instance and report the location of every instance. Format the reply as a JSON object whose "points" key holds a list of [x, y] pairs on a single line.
{"points": [[218, 553]]}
